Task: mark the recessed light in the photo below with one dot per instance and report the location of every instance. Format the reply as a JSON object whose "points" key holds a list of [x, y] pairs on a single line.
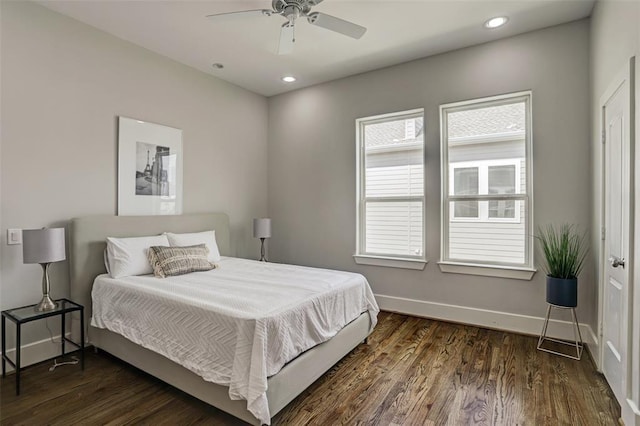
{"points": [[288, 79], [217, 65], [496, 22]]}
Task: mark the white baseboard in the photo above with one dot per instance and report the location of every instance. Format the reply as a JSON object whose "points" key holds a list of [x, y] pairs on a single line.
{"points": [[506, 321], [33, 353], [630, 413]]}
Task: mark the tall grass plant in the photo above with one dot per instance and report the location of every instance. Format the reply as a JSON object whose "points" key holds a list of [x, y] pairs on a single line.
{"points": [[564, 249]]}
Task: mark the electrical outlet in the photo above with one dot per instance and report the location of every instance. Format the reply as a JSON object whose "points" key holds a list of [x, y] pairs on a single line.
{"points": [[14, 236]]}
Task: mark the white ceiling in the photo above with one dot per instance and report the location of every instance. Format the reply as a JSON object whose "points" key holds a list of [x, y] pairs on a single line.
{"points": [[398, 31]]}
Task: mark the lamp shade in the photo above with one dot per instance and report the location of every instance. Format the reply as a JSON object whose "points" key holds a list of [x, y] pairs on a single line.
{"points": [[43, 245], [262, 228]]}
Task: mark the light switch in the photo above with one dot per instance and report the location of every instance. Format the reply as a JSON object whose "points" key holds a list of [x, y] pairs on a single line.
{"points": [[14, 236]]}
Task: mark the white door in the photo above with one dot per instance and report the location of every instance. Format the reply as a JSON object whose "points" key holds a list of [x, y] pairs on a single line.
{"points": [[615, 294]]}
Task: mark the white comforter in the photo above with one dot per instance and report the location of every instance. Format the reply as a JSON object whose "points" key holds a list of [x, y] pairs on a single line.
{"points": [[235, 325]]}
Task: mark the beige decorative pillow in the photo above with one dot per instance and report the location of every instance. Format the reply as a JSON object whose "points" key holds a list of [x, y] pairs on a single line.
{"points": [[170, 261]]}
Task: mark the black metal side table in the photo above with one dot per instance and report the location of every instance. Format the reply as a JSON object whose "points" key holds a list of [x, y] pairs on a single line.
{"points": [[27, 314]]}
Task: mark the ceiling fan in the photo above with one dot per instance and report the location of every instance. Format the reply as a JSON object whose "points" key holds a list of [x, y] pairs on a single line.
{"points": [[291, 10]]}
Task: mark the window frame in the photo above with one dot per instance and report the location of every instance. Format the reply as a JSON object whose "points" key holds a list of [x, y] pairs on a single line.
{"points": [[485, 268], [361, 256]]}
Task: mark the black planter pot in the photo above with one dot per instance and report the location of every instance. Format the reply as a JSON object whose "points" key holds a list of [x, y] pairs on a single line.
{"points": [[562, 291]]}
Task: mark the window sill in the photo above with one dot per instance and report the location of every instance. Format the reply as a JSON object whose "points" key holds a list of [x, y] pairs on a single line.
{"points": [[517, 273], [390, 262]]}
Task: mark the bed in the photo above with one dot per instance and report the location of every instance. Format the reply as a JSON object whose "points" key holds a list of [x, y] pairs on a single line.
{"points": [[87, 243]]}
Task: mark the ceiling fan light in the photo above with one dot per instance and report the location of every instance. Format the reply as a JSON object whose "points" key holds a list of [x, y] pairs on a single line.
{"points": [[288, 79], [496, 22]]}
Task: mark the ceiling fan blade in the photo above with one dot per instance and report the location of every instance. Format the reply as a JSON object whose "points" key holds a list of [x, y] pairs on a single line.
{"points": [[241, 14], [287, 39], [336, 24]]}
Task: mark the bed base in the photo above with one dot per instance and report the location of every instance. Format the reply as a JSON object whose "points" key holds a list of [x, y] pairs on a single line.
{"points": [[284, 386]]}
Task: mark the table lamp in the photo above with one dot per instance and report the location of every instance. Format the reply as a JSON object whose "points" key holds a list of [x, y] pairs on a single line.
{"points": [[43, 246], [262, 230]]}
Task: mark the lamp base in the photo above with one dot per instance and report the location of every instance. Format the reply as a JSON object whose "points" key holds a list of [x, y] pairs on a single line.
{"points": [[263, 257], [46, 304]]}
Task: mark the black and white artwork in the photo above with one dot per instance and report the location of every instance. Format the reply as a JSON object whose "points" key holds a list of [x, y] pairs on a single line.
{"points": [[149, 168], [152, 169]]}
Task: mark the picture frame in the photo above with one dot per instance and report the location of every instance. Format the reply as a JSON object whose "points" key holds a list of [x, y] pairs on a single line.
{"points": [[149, 168]]}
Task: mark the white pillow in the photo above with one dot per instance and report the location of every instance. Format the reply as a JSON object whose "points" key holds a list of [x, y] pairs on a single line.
{"points": [[106, 262], [128, 256], [192, 239]]}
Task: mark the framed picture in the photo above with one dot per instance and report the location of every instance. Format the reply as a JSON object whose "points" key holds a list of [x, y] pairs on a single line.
{"points": [[149, 168]]}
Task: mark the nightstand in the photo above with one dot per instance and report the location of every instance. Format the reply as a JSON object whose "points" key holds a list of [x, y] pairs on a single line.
{"points": [[27, 314]]}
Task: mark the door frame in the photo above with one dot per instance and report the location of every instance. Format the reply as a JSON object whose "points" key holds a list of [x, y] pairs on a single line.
{"points": [[634, 333], [630, 412]]}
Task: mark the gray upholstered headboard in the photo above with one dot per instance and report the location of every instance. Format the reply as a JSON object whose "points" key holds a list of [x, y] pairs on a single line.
{"points": [[88, 240]]}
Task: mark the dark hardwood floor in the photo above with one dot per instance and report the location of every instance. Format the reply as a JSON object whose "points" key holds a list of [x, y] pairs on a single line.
{"points": [[413, 371]]}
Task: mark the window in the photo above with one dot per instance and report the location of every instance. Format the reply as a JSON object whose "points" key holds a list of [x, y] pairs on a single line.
{"points": [[390, 151], [465, 182], [486, 194], [484, 178]]}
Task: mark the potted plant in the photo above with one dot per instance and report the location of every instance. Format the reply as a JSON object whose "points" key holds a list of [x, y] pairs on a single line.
{"points": [[565, 250]]}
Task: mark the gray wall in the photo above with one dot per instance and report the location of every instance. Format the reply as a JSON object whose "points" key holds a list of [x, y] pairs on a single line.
{"points": [[63, 86], [615, 37], [312, 157]]}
